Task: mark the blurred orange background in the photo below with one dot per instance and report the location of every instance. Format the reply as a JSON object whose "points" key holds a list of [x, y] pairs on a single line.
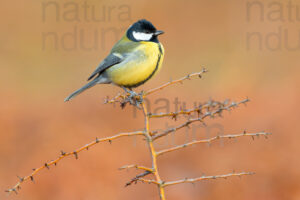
{"points": [[247, 49]]}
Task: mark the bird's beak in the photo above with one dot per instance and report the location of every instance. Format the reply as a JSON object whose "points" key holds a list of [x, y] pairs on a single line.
{"points": [[158, 33]]}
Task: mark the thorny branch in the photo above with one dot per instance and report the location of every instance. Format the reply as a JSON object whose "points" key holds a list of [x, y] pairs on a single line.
{"points": [[189, 76], [123, 99], [64, 155], [209, 109], [211, 104], [137, 167], [147, 181], [153, 154], [193, 180], [217, 112], [137, 178], [244, 134]]}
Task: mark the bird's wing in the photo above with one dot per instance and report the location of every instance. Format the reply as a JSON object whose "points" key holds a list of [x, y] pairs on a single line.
{"points": [[110, 60]]}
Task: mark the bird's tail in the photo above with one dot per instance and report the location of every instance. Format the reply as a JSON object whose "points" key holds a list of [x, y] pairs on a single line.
{"points": [[87, 86]]}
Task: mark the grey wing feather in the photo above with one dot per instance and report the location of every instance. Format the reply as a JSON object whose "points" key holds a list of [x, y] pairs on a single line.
{"points": [[110, 60]]}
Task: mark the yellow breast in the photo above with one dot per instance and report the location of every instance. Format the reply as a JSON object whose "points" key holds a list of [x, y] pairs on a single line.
{"points": [[142, 64]]}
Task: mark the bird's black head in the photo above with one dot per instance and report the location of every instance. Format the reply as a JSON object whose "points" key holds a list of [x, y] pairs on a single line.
{"points": [[143, 30]]}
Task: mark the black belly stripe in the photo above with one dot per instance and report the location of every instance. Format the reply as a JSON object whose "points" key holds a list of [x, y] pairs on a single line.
{"points": [[156, 68]]}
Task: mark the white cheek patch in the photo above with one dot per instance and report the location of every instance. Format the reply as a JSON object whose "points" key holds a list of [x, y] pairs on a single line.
{"points": [[142, 36]]}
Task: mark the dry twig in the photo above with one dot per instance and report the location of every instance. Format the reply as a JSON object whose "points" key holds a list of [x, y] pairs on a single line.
{"points": [[137, 167], [211, 140], [138, 178], [199, 110], [189, 76], [65, 154], [212, 114], [193, 180]]}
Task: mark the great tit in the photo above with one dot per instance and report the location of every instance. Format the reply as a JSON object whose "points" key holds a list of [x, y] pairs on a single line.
{"points": [[132, 61]]}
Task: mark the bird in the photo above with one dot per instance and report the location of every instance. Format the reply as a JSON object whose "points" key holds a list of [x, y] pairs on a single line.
{"points": [[132, 61]]}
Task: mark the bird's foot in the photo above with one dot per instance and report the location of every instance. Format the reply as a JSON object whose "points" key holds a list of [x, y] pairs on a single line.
{"points": [[133, 98]]}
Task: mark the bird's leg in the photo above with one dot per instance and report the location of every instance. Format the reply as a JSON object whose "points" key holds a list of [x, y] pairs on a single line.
{"points": [[130, 91], [133, 98]]}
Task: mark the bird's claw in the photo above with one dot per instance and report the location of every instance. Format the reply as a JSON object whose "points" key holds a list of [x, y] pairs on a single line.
{"points": [[133, 98]]}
